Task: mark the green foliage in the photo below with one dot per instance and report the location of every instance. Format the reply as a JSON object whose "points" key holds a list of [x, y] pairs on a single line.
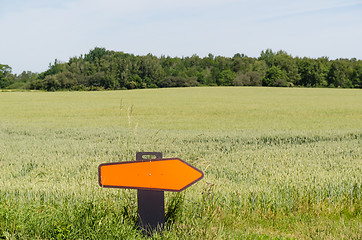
{"points": [[275, 77], [249, 79], [55, 68], [357, 75], [267, 56], [103, 69], [338, 74], [178, 82], [5, 78], [225, 78], [96, 54], [289, 66]]}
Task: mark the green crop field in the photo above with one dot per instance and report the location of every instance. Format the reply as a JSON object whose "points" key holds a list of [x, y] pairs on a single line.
{"points": [[279, 163]]}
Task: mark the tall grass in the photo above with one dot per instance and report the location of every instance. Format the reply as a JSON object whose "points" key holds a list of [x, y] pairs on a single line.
{"points": [[278, 163]]}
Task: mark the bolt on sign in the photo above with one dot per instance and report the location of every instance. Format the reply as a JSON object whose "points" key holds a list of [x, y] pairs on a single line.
{"points": [[151, 177]]}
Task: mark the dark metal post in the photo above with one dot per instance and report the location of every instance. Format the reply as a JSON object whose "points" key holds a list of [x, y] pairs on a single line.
{"points": [[151, 203]]}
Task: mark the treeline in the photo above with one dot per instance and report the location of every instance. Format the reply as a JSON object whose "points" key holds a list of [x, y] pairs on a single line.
{"points": [[103, 69]]}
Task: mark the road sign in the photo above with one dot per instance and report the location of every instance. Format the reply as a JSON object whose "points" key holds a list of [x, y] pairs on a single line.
{"points": [[168, 174], [151, 177]]}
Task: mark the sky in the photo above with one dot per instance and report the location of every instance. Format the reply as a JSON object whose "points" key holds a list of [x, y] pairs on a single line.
{"points": [[33, 33]]}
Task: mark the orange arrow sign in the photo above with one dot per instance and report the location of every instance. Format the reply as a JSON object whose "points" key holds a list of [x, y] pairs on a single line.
{"points": [[168, 174]]}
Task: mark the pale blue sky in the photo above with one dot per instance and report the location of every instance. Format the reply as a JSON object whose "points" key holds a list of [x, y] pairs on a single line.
{"points": [[35, 32]]}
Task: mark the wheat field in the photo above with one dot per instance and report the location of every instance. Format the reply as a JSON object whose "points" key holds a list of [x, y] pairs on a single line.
{"points": [[279, 163]]}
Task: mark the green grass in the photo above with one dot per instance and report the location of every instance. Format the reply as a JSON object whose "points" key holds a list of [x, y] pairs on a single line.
{"points": [[279, 163]]}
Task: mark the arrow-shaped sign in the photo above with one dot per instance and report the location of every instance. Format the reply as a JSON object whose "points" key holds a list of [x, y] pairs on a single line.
{"points": [[168, 174]]}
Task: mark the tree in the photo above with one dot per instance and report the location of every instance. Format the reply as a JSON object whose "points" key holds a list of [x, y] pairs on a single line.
{"points": [[53, 69], [97, 80], [268, 56], [101, 68], [275, 77], [287, 64], [320, 71], [244, 64], [5, 78], [305, 69], [172, 81], [138, 82], [150, 67], [356, 76], [225, 78], [96, 54], [248, 79], [260, 67], [110, 81], [338, 74]]}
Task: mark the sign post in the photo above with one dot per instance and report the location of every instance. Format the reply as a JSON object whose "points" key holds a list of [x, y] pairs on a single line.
{"points": [[151, 203], [151, 177]]}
